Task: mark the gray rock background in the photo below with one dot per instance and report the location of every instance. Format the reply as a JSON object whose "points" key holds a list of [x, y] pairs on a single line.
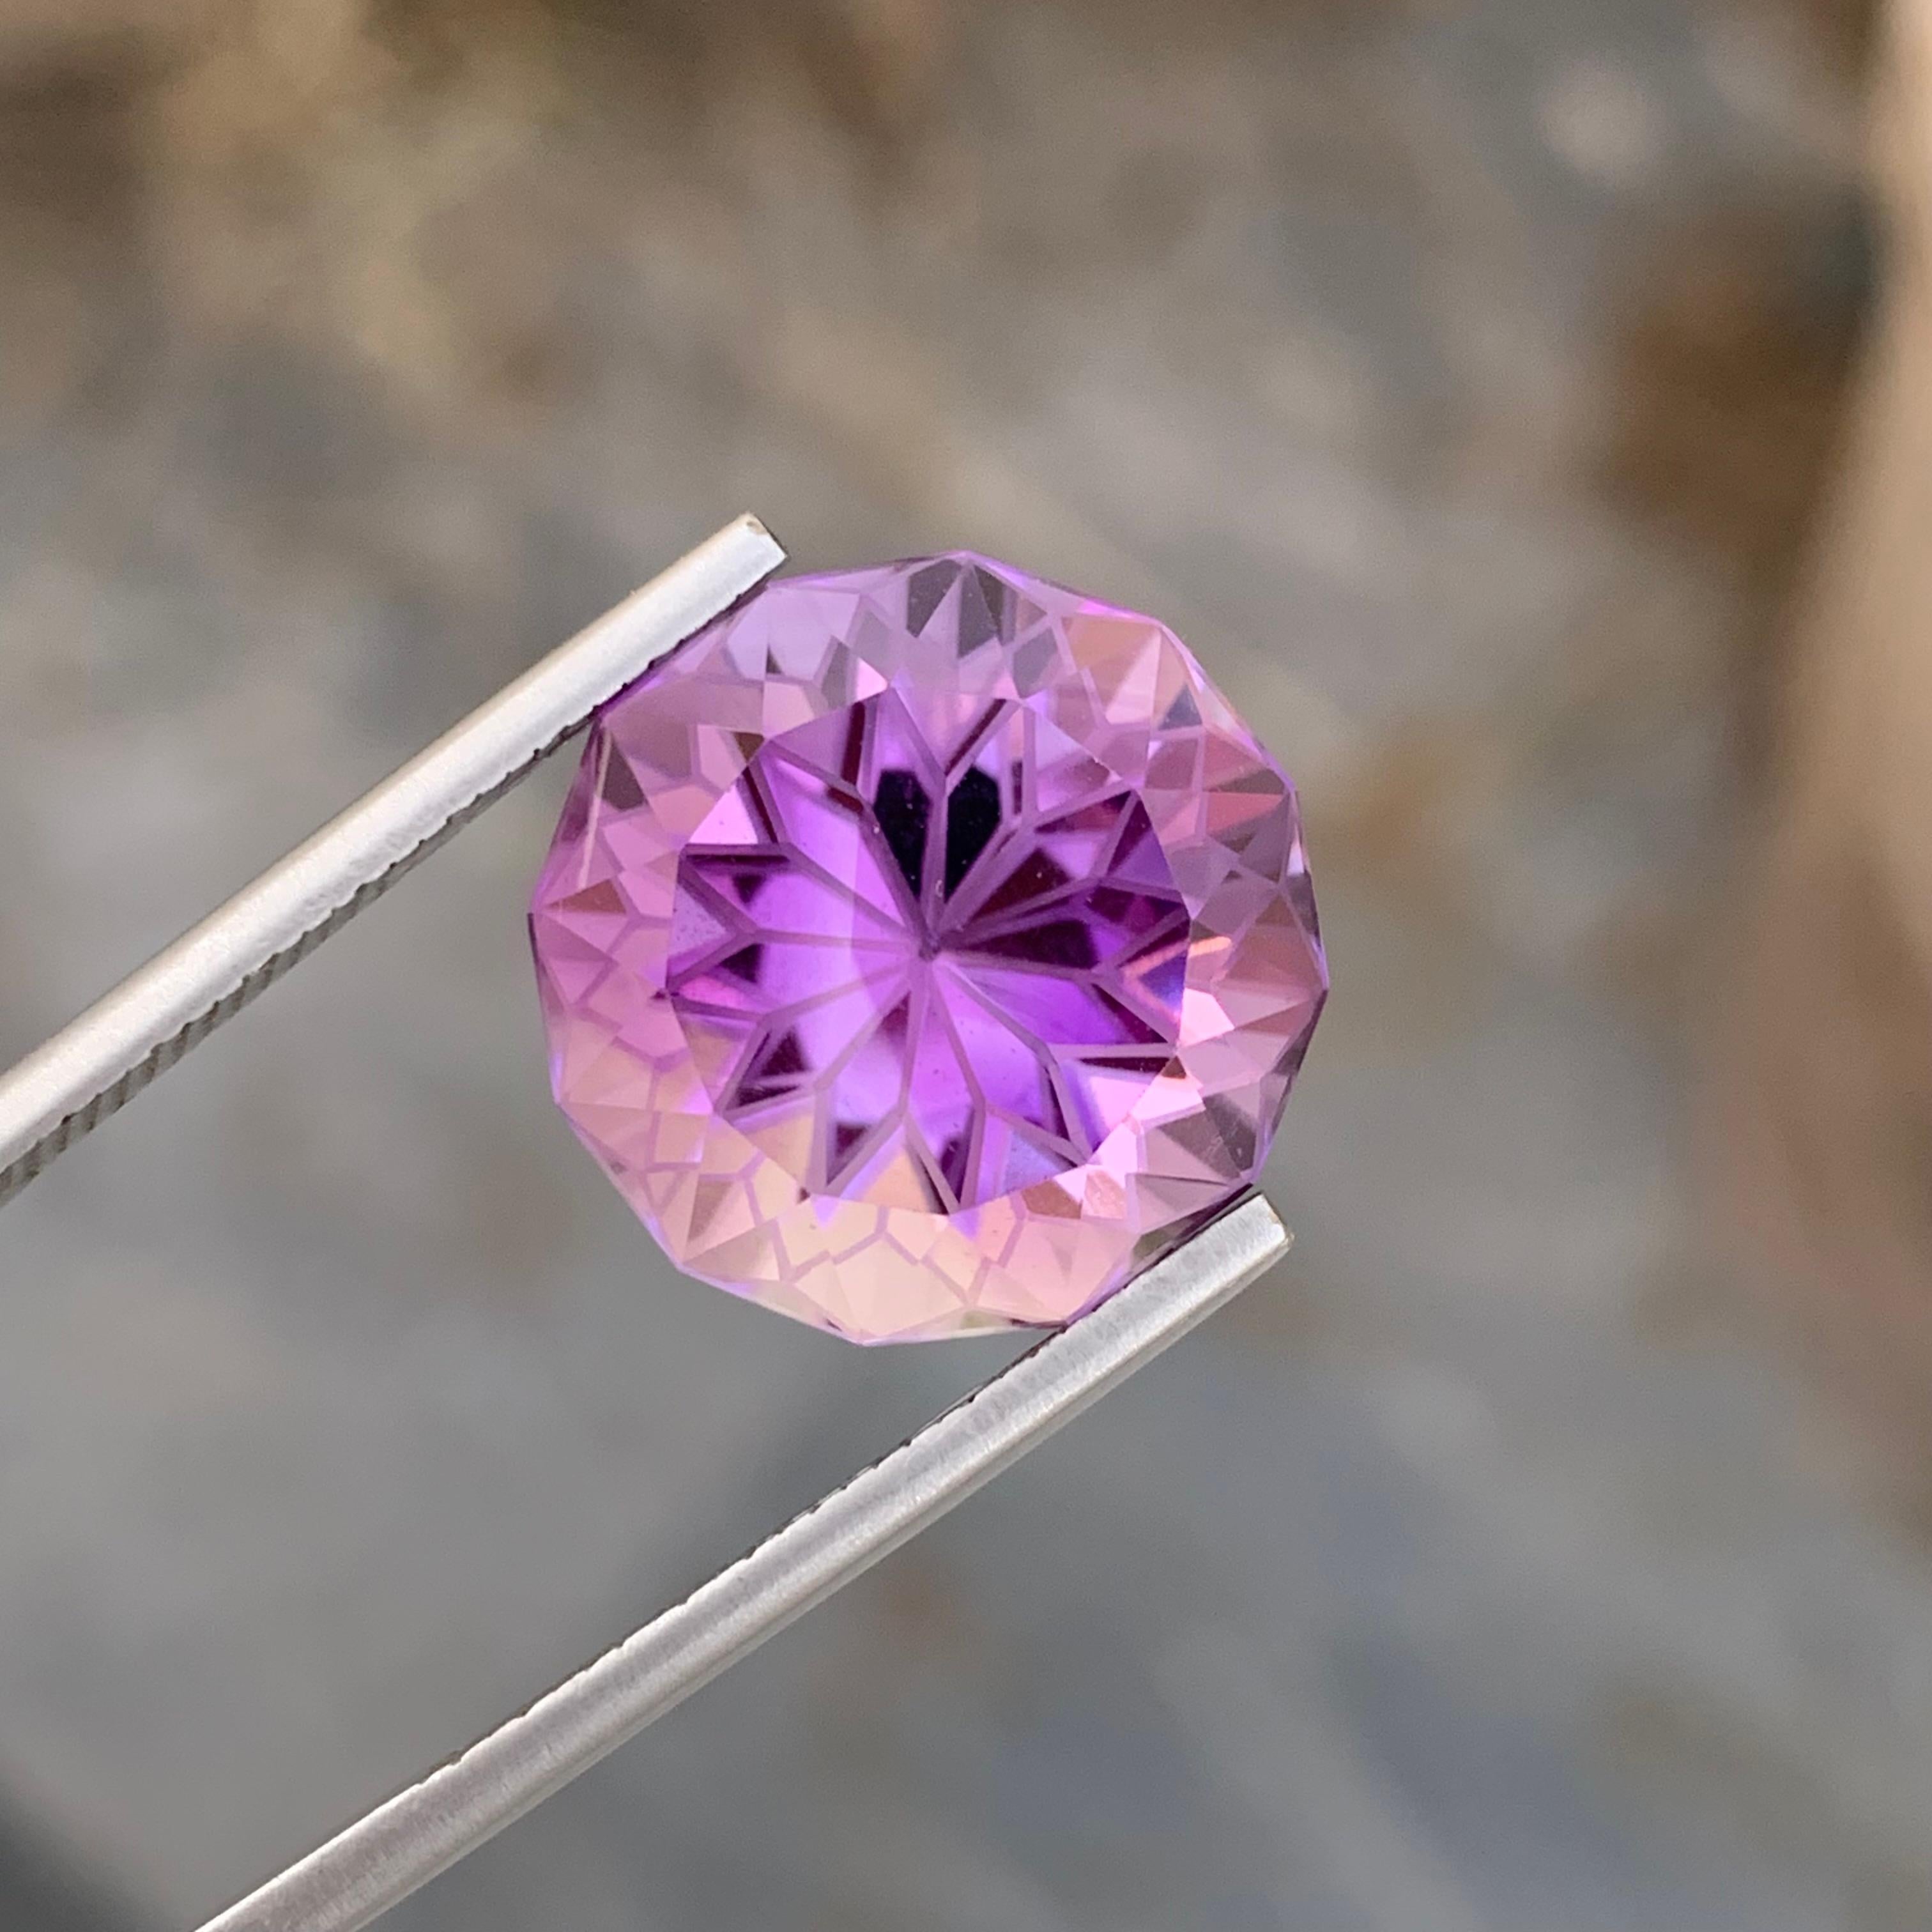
{"points": [[1457, 375]]}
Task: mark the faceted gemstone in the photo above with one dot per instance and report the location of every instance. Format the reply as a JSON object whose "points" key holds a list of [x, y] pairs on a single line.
{"points": [[925, 949]]}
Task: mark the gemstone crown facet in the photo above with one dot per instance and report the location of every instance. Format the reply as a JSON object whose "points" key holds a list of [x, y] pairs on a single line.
{"points": [[925, 949]]}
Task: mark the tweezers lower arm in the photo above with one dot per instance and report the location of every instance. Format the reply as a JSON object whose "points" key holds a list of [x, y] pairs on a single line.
{"points": [[384, 1857]]}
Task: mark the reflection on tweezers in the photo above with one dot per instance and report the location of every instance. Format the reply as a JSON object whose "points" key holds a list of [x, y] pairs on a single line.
{"points": [[137, 1031]]}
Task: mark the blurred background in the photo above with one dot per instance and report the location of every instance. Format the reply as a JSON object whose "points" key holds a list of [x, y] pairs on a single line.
{"points": [[1525, 406]]}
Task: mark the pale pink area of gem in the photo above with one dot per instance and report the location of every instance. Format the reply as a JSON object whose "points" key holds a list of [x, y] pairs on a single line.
{"points": [[925, 949]]}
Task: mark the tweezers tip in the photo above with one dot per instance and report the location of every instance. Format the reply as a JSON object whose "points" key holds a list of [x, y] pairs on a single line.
{"points": [[756, 527]]}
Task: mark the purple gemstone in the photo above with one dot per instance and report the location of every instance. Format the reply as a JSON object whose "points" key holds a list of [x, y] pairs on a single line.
{"points": [[925, 949]]}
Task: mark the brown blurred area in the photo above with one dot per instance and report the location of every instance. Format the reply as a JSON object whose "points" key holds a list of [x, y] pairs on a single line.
{"points": [[1822, 1127], [1524, 408]]}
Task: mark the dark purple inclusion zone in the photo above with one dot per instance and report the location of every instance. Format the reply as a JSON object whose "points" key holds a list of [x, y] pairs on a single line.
{"points": [[986, 995]]}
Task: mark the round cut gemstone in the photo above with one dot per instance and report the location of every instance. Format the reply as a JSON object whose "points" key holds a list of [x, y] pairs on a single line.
{"points": [[925, 949]]}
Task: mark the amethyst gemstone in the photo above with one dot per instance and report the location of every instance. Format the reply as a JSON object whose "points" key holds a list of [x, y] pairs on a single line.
{"points": [[925, 949]]}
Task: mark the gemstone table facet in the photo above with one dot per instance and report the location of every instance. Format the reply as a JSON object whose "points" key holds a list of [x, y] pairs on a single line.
{"points": [[924, 949]]}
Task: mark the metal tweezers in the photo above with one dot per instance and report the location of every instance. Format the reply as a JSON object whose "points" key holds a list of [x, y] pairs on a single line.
{"points": [[92, 1067]]}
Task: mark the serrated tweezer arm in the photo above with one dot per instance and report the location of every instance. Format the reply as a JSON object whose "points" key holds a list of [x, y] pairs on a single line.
{"points": [[87, 1071], [92, 1068]]}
